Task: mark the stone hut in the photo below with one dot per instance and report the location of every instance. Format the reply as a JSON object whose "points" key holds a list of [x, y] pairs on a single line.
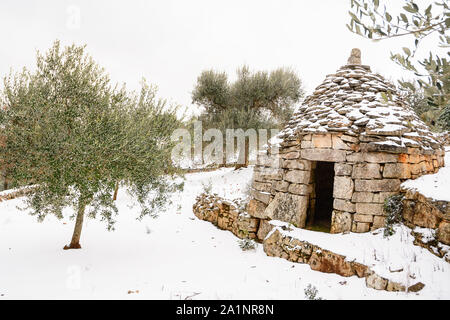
{"points": [[347, 148]]}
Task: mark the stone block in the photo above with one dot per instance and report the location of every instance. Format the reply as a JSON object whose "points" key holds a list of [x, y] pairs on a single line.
{"points": [[443, 233], [256, 208], [290, 143], [382, 148], [363, 218], [338, 144], [321, 141], [380, 197], [291, 155], [378, 222], [361, 270], [415, 169], [306, 145], [425, 215], [264, 197], [273, 161], [343, 205], [363, 197], [301, 189], [395, 287], [416, 287], [355, 157], [266, 174], [285, 150], [414, 158], [379, 157], [297, 164], [360, 227], [376, 282], [280, 185], [340, 221], [262, 186], [403, 158], [264, 228], [329, 262]]}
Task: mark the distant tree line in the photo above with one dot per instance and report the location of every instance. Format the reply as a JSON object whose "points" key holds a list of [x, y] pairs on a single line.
{"points": [[75, 136]]}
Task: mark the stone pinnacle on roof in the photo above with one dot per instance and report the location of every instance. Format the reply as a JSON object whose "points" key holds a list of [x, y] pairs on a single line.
{"points": [[355, 57]]}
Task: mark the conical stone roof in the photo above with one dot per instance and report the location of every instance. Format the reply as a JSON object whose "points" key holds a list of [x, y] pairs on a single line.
{"points": [[359, 102]]}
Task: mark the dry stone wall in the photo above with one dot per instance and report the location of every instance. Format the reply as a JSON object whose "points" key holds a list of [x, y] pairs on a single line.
{"points": [[420, 211], [12, 194], [283, 186], [226, 215], [231, 216], [445, 138], [278, 245]]}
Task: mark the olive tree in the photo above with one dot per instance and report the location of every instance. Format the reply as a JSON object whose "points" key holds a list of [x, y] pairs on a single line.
{"points": [[73, 135], [372, 19]]}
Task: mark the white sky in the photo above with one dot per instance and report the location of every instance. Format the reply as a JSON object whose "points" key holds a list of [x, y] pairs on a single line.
{"points": [[170, 42]]}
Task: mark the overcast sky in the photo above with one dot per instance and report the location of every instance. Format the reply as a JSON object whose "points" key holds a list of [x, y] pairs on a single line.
{"points": [[170, 42]]}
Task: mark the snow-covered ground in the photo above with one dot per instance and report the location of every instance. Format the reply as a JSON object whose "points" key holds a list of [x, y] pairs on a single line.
{"points": [[175, 256]]}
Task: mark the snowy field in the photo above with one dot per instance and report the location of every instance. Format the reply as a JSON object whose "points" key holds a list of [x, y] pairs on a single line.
{"points": [[175, 256]]}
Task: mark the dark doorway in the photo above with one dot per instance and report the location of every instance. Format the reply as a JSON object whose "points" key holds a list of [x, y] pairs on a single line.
{"points": [[324, 180]]}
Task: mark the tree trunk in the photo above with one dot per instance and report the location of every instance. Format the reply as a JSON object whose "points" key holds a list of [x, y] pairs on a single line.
{"points": [[115, 191], [75, 243]]}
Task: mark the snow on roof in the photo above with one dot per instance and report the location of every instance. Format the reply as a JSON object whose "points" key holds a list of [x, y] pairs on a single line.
{"points": [[357, 101]]}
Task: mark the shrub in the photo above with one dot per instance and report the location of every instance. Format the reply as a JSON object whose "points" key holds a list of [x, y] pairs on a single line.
{"points": [[207, 187]]}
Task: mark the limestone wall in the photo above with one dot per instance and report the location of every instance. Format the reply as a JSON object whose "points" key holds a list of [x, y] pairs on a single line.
{"points": [[283, 186]]}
